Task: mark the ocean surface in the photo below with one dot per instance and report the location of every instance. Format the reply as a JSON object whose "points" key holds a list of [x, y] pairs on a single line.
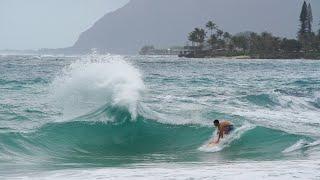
{"points": [[150, 117]]}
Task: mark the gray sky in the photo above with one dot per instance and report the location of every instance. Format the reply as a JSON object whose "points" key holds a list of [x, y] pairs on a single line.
{"points": [[32, 24]]}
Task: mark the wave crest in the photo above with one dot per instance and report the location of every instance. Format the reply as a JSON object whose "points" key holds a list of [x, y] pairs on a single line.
{"points": [[94, 81]]}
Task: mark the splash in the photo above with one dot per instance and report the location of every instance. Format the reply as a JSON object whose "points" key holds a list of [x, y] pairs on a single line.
{"points": [[94, 81]]}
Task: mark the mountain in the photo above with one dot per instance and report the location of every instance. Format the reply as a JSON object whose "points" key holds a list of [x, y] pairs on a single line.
{"points": [[165, 23]]}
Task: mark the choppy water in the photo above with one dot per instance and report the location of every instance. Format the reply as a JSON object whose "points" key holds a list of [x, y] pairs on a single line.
{"points": [[103, 116]]}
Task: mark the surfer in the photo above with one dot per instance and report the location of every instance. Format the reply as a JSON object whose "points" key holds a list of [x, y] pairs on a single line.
{"points": [[224, 127]]}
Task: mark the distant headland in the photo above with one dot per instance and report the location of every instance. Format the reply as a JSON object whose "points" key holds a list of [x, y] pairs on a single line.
{"points": [[166, 25]]}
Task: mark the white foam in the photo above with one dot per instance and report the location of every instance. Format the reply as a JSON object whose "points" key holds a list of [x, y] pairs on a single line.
{"points": [[96, 80], [302, 169], [301, 144], [298, 145], [294, 115]]}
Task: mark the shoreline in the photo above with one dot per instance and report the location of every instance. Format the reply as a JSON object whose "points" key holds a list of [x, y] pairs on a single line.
{"points": [[307, 56], [250, 57], [240, 57]]}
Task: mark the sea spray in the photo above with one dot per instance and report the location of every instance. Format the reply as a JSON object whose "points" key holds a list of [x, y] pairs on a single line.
{"points": [[96, 80]]}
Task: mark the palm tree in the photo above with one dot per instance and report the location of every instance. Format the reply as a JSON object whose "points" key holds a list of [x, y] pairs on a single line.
{"points": [[212, 41], [227, 39], [201, 35], [240, 42], [211, 26], [192, 37], [226, 35], [219, 33]]}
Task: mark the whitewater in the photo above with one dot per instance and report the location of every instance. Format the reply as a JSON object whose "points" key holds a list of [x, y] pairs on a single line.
{"points": [[141, 117]]}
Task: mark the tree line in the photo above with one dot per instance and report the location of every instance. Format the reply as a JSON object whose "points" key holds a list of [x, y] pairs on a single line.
{"points": [[213, 41]]}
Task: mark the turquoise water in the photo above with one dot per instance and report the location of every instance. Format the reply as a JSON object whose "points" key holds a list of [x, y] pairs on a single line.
{"points": [[85, 116]]}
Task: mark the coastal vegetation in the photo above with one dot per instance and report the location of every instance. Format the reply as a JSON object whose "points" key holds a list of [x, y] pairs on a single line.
{"points": [[212, 41], [151, 50]]}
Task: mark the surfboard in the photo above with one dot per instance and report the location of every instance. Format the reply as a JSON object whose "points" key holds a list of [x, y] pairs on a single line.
{"points": [[212, 144]]}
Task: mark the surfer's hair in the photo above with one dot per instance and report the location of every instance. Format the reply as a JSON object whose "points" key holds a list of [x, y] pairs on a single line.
{"points": [[216, 121]]}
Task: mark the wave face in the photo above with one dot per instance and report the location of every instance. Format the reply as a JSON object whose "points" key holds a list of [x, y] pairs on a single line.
{"points": [[135, 140], [104, 110]]}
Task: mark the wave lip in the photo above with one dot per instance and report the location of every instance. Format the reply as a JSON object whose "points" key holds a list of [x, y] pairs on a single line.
{"points": [[302, 144], [94, 81]]}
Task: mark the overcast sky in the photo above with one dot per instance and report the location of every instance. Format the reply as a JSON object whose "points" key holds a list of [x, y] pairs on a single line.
{"points": [[32, 24]]}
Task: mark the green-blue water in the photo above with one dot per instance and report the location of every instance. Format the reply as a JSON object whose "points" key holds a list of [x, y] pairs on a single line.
{"points": [[62, 114]]}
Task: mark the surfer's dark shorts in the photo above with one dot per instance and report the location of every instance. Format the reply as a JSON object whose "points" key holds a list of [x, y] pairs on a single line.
{"points": [[229, 128]]}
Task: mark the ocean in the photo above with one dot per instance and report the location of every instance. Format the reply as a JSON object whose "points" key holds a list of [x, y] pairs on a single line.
{"points": [[150, 117]]}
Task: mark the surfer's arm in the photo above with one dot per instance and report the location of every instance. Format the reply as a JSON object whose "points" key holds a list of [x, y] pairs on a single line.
{"points": [[220, 136]]}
